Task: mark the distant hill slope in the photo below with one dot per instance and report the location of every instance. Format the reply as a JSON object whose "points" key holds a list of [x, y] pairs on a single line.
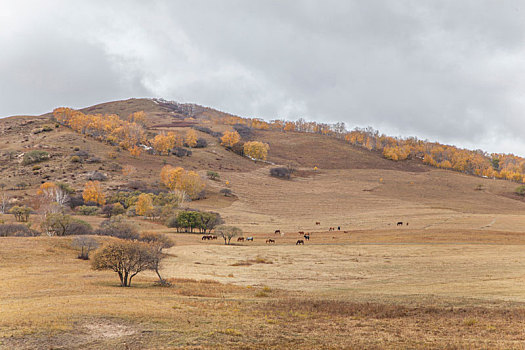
{"points": [[350, 182]]}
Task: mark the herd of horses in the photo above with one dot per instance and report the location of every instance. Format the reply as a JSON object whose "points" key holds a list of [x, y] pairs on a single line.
{"points": [[306, 235]]}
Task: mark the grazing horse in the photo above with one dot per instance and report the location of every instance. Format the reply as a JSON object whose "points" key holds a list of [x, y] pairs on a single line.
{"points": [[206, 237], [331, 229], [317, 223], [301, 232], [240, 239], [307, 236], [270, 240], [299, 241], [277, 232], [248, 239], [400, 223], [213, 237]]}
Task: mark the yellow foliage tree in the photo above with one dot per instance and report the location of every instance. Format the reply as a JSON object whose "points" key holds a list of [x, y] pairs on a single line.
{"points": [[163, 143], [191, 138], [256, 150], [192, 184], [135, 151], [93, 193], [230, 138], [179, 179], [144, 205]]}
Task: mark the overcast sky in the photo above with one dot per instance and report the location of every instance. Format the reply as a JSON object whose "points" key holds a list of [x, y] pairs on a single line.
{"points": [[451, 71]]}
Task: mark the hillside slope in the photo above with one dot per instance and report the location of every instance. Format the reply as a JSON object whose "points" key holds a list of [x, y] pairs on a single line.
{"points": [[353, 188]]}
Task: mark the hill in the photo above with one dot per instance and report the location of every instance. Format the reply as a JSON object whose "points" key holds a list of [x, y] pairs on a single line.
{"points": [[350, 182]]}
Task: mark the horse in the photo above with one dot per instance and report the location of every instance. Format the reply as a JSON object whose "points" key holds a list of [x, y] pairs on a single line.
{"points": [[213, 237], [270, 240], [400, 223], [301, 232], [206, 237], [249, 239], [277, 232], [331, 229], [240, 239], [307, 237], [317, 223], [300, 241]]}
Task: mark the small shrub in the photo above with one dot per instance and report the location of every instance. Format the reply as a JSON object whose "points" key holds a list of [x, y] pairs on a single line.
{"points": [[281, 172], [520, 190], [47, 128], [75, 159], [201, 143], [181, 152], [226, 192], [213, 175], [35, 157]]}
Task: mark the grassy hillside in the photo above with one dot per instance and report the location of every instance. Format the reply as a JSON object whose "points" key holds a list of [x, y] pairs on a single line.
{"points": [[450, 276]]}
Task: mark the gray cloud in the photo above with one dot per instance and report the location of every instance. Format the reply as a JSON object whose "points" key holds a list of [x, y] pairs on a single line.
{"points": [[445, 70]]}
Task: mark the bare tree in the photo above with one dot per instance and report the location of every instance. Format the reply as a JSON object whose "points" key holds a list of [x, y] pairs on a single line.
{"points": [[4, 201], [228, 232], [157, 242], [86, 244]]}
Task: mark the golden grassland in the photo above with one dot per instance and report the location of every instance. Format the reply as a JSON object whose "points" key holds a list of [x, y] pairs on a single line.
{"points": [[316, 296]]}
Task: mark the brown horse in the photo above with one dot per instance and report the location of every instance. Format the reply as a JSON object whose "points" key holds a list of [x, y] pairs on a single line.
{"points": [[301, 232], [270, 240], [300, 241], [317, 223], [240, 239], [277, 232]]}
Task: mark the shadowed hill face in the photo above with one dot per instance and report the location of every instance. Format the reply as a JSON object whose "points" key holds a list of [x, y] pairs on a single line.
{"points": [[314, 150]]}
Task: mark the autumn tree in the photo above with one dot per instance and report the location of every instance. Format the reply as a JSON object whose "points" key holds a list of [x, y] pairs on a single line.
{"points": [[126, 258], [93, 193], [230, 138], [51, 193], [135, 151], [256, 150], [144, 205], [179, 179], [191, 138], [163, 143]]}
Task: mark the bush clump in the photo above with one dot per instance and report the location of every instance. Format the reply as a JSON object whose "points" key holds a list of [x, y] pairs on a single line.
{"points": [[16, 230], [520, 190], [281, 172], [87, 210], [64, 225], [117, 226], [35, 157], [201, 143]]}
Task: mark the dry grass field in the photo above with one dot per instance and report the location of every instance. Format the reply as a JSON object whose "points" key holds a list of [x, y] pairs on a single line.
{"points": [[452, 276]]}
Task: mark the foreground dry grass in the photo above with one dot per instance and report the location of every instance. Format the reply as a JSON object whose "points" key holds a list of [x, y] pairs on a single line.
{"points": [[409, 296]]}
